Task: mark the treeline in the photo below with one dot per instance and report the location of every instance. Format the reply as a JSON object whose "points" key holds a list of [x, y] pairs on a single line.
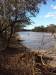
{"points": [[49, 28]]}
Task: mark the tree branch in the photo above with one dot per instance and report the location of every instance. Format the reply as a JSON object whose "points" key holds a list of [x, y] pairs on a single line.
{"points": [[13, 23]]}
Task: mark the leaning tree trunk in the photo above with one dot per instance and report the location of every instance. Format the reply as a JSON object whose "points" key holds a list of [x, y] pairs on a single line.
{"points": [[3, 42], [7, 31], [12, 28], [5, 34]]}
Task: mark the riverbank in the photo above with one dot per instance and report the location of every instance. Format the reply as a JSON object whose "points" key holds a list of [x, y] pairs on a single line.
{"points": [[15, 62], [19, 60]]}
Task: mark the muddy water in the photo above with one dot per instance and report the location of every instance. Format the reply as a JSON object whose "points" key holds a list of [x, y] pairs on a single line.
{"points": [[37, 40]]}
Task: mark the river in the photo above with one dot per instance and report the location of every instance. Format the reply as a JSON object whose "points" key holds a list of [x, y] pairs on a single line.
{"points": [[37, 40]]}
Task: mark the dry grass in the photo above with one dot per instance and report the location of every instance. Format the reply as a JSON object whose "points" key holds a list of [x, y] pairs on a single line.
{"points": [[20, 62]]}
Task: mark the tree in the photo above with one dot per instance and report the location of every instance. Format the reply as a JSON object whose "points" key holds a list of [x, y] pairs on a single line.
{"points": [[51, 28], [15, 11], [39, 29]]}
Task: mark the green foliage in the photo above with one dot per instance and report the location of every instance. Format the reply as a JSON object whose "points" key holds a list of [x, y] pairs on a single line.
{"points": [[49, 28]]}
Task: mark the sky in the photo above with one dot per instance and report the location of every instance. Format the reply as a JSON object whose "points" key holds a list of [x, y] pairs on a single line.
{"points": [[46, 15]]}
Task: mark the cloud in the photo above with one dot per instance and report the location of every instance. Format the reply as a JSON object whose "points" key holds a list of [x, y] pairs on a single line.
{"points": [[50, 15], [53, 7]]}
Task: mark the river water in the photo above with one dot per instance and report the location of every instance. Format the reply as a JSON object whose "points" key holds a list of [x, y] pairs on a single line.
{"points": [[37, 40]]}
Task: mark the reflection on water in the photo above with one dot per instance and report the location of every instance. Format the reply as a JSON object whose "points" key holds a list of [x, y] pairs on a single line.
{"points": [[37, 40]]}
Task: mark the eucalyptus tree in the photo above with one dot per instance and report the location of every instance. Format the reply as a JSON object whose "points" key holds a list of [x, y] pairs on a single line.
{"points": [[16, 12]]}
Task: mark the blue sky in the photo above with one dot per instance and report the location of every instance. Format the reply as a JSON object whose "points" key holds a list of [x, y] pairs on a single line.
{"points": [[46, 15]]}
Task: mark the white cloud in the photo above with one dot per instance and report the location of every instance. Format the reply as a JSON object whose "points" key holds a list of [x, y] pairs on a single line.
{"points": [[50, 15], [53, 7]]}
